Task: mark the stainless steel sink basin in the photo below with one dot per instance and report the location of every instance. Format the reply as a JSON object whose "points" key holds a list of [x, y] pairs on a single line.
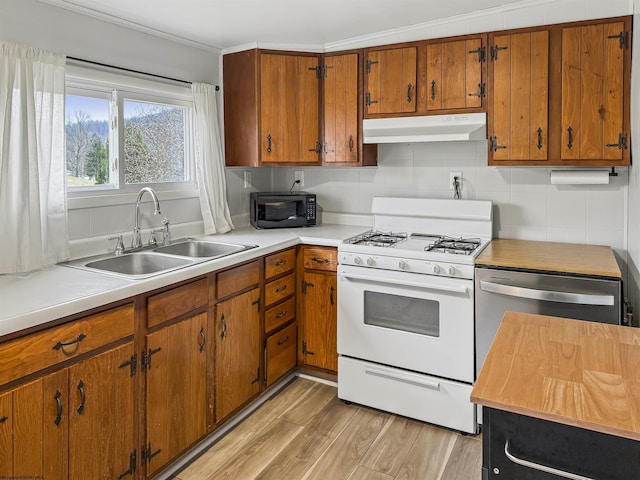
{"points": [[140, 263], [150, 261], [201, 248]]}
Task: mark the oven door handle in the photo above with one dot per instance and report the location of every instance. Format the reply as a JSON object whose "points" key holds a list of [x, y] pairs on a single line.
{"points": [[406, 283], [403, 377], [547, 295]]}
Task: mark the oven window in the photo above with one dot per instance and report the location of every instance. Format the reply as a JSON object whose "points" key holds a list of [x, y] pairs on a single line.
{"points": [[397, 312]]}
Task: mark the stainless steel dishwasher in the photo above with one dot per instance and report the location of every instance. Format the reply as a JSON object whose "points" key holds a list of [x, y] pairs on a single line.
{"points": [[559, 295]]}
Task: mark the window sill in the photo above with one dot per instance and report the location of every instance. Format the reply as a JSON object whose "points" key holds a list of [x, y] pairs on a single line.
{"points": [[124, 198]]}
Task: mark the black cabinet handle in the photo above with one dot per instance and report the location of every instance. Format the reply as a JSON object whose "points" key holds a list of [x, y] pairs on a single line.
{"points": [[203, 340], [224, 326], [570, 135], [539, 131], [83, 397], [281, 263], [281, 314], [350, 143], [283, 340], [433, 89], [320, 260], [269, 143], [409, 93], [281, 289], [331, 296], [57, 397], [60, 345]]}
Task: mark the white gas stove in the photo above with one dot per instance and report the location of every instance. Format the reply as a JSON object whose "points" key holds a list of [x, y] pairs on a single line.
{"points": [[405, 309]]}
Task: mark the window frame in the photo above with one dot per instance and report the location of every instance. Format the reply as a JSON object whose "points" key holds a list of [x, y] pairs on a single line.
{"points": [[103, 83]]}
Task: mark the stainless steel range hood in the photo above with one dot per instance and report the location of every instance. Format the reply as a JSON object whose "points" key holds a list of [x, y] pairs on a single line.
{"points": [[431, 128]]}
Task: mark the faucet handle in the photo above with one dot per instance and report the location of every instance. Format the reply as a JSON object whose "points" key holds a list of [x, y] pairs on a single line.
{"points": [[152, 236], [166, 234], [119, 250]]}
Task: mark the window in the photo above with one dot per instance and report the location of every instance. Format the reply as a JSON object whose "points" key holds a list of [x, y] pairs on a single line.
{"points": [[123, 132]]}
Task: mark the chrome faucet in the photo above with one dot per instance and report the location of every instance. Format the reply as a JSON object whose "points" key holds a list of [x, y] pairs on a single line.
{"points": [[136, 242]]}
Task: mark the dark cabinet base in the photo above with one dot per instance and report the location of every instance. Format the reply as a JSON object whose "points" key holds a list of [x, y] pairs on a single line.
{"points": [[517, 447]]}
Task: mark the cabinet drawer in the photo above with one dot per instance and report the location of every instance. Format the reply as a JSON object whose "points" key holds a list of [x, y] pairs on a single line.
{"points": [[27, 355], [280, 314], [281, 353], [279, 263], [318, 258], [178, 301], [237, 279], [279, 289]]}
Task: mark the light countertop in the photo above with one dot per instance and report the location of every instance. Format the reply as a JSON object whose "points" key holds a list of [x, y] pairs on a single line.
{"points": [[35, 298], [573, 372]]}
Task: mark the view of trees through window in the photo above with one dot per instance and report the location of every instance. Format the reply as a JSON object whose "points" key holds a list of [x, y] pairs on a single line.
{"points": [[154, 142]]}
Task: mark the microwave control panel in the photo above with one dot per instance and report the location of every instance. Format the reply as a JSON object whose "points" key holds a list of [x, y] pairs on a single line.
{"points": [[311, 208]]}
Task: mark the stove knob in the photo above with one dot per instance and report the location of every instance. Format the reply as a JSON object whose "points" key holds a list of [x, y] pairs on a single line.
{"points": [[357, 260], [402, 265], [451, 271], [435, 269], [371, 262]]}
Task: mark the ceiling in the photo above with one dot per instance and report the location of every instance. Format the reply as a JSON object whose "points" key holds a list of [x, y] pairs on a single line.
{"points": [[226, 24]]}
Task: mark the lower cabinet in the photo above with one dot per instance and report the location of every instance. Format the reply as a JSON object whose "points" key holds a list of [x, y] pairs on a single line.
{"points": [[176, 390], [318, 295], [237, 351], [74, 423]]}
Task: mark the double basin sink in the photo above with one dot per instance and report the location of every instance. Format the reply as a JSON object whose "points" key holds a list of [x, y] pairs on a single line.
{"points": [[149, 261]]}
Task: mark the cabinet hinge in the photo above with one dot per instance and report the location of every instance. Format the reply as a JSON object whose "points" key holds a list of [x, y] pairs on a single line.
{"points": [[147, 453], [317, 148], [132, 363], [368, 64], [481, 53], [623, 38], [482, 91], [493, 144], [368, 101], [305, 350], [318, 70], [622, 142], [145, 358], [257, 302], [305, 285], [494, 51], [132, 466]]}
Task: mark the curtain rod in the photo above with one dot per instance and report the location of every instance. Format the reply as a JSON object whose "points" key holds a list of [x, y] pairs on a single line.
{"points": [[129, 70]]}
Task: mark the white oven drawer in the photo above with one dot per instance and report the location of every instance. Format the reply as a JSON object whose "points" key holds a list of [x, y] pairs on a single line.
{"points": [[414, 395]]}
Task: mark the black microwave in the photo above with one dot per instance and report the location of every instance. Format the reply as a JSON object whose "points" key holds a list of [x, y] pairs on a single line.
{"points": [[282, 209]]}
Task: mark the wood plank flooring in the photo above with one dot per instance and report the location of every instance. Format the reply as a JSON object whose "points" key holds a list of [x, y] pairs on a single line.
{"points": [[306, 433]]}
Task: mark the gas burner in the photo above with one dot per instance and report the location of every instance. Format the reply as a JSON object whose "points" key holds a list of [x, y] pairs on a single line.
{"points": [[376, 238], [457, 246]]}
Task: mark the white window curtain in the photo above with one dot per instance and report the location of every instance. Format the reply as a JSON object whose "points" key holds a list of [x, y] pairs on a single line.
{"points": [[33, 210], [210, 161]]}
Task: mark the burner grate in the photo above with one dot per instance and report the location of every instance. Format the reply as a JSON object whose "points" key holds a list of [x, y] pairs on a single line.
{"points": [[457, 246], [378, 239]]}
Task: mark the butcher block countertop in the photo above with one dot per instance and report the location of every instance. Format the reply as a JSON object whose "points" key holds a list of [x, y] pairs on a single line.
{"points": [[583, 374], [572, 258]]}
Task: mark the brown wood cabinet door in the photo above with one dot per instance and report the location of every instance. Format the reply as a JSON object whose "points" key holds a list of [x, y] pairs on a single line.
{"points": [[289, 108], [341, 109], [101, 415], [319, 301], [34, 429], [592, 92], [237, 352], [519, 112], [391, 81], [176, 389], [454, 75]]}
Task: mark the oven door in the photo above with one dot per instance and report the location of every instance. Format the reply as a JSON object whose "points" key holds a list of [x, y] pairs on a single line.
{"points": [[416, 322]]}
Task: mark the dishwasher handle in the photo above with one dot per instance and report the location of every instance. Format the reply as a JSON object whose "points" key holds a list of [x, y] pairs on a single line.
{"points": [[547, 295]]}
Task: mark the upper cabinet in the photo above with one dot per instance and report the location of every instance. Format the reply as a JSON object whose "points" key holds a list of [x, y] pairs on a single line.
{"points": [[271, 108], [559, 95], [593, 88], [455, 74], [286, 108], [390, 81], [519, 107]]}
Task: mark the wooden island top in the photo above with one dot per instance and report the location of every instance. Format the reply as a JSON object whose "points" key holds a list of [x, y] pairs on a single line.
{"points": [[572, 258], [578, 373]]}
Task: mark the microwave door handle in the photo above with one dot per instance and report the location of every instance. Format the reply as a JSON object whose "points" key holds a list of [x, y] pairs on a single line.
{"points": [[425, 286], [547, 295]]}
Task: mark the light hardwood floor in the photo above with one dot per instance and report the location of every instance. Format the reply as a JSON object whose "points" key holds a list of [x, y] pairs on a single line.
{"points": [[306, 433]]}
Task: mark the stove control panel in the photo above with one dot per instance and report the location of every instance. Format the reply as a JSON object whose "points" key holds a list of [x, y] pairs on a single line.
{"points": [[409, 265]]}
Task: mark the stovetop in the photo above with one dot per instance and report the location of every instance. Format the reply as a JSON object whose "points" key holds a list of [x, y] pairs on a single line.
{"points": [[427, 242]]}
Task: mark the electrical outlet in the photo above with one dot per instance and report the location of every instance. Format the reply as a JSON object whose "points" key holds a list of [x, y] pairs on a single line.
{"points": [[299, 175], [247, 179], [451, 177]]}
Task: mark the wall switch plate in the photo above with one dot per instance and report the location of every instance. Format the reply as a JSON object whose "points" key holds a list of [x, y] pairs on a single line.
{"points": [[247, 179], [299, 175], [451, 177]]}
